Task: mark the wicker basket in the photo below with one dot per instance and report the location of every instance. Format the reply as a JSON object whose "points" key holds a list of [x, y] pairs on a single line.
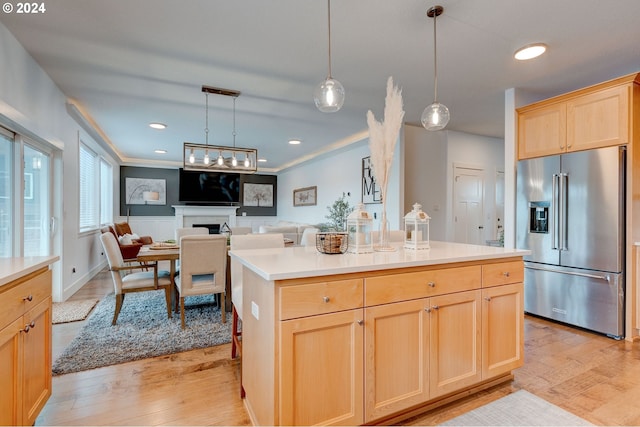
{"points": [[332, 243]]}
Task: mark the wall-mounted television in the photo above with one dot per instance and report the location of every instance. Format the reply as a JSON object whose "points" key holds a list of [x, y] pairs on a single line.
{"points": [[209, 188]]}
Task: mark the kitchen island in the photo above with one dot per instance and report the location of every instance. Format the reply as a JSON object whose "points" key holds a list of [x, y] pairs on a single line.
{"points": [[376, 338]]}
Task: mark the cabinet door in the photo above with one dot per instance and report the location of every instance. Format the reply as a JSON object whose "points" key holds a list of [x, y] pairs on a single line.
{"points": [[542, 132], [37, 360], [10, 373], [396, 357], [455, 344], [321, 369], [600, 119], [502, 329]]}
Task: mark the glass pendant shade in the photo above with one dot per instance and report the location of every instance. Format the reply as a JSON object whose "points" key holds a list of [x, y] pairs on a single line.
{"points": [[435, 117], [329, 96]]}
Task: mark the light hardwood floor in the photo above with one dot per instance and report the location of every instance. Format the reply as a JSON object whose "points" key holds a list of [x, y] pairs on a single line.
{"points": [[589, 375]]}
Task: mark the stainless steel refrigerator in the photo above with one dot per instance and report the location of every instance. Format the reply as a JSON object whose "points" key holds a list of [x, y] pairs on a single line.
{"points": [[571, 215]]}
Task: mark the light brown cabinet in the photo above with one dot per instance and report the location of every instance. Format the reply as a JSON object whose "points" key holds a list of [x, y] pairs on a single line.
{"points": [[594, 117], [321, 369], [369, 347], [25, 348], [396, 357]]}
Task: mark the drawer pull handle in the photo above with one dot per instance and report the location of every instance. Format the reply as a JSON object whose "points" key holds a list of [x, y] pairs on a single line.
{"points": [[29, 298], [360, 322], [431, 284], [326, 299], [435, 307], [428, 309], [505, 274], [28, 327], [487, 298]]}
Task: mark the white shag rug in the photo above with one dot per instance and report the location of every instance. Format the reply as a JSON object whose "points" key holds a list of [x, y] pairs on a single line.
{"points": [[143, 330]]}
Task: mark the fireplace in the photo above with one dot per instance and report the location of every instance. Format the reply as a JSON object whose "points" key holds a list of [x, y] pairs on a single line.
{"points": [[213, 228], [205, 216]]}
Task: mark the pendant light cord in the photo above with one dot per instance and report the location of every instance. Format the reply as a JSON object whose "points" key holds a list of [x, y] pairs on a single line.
{"points": [[329, 26], [435, 61]]}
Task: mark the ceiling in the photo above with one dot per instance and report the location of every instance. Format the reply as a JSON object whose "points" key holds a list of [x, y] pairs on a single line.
{"points": [[126, 63]]}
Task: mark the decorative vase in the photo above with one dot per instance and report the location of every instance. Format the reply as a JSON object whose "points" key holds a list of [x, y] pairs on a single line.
{"points": [[383, 244]]}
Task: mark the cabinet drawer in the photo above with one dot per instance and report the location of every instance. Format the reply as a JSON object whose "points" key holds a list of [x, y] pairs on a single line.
{"points": [[407, 286], [502, 273], [21, 298], [320, 298]]}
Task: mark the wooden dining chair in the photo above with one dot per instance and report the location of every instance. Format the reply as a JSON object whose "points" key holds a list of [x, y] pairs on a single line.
{"points": [[203, 269], [133, 282]]}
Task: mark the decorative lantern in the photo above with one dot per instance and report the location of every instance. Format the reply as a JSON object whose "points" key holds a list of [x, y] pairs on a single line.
{"points": [[359, 225], [416, 228]]}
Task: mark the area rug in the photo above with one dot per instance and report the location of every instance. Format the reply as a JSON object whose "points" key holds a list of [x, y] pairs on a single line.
{"points": [[71, 311], [518, 409], [143, 330]]}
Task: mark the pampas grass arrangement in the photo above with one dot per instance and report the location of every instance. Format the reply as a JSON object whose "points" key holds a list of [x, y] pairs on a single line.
{"points": [[383, 137]]}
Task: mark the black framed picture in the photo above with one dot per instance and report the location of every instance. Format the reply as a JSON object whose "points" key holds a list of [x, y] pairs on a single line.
{"points": [[371, 192]]}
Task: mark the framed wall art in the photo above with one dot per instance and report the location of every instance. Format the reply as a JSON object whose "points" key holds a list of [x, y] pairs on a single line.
{"points": [[371, 192], [307, 196]]}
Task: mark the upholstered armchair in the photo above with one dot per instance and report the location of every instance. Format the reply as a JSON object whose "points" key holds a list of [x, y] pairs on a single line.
{"points": [[123, 228], [129, 251]]}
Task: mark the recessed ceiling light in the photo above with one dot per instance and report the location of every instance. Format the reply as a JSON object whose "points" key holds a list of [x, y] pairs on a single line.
{"points": [[157, 126], [262, 160], [530, 51], [160, 151], [294, 141]]}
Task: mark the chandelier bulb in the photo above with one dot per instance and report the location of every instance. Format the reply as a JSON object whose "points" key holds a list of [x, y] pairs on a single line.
{"points": [[206, 157], [247, 162], [234, 160], [220, 159], [192, 157]]}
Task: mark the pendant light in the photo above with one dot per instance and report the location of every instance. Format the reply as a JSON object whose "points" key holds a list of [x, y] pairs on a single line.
{"points": [[329, 94], [217, 158], [435, 116]]}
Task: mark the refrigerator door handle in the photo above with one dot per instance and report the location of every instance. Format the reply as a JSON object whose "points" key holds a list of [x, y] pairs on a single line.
{"points": [[555, 232], [564, 186], [606, 278]]}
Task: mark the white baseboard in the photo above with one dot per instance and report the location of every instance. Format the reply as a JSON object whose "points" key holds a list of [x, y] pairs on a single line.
{"points": [[81, 281]]}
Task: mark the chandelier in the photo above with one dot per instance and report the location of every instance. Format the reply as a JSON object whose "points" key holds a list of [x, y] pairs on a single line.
{"points": [[217, 158]]}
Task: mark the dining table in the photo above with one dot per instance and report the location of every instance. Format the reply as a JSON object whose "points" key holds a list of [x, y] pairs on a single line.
{"points": [[154, 252]]}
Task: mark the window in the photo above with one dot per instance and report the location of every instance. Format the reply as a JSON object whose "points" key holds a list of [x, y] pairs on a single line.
{"points": [[88, 189], [106, 192], [6, 186], [96, 192]]}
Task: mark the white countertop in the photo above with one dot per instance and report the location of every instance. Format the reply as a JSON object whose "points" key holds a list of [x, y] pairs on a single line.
{"points": [[306, 261], [14, 268]]}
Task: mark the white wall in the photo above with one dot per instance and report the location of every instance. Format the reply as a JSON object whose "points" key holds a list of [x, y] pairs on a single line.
{"points": [[335, 173], [31, 104], [429, 164]]}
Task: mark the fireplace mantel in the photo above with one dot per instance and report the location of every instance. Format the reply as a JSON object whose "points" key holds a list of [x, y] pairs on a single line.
{"points": [[187, 215]]}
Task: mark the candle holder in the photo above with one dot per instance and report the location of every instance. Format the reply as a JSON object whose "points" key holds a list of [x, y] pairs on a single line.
{"points": [[359, 225], [416, 229]]}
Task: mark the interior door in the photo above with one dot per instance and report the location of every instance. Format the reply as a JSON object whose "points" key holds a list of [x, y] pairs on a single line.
{"points": [[468, 194]]}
